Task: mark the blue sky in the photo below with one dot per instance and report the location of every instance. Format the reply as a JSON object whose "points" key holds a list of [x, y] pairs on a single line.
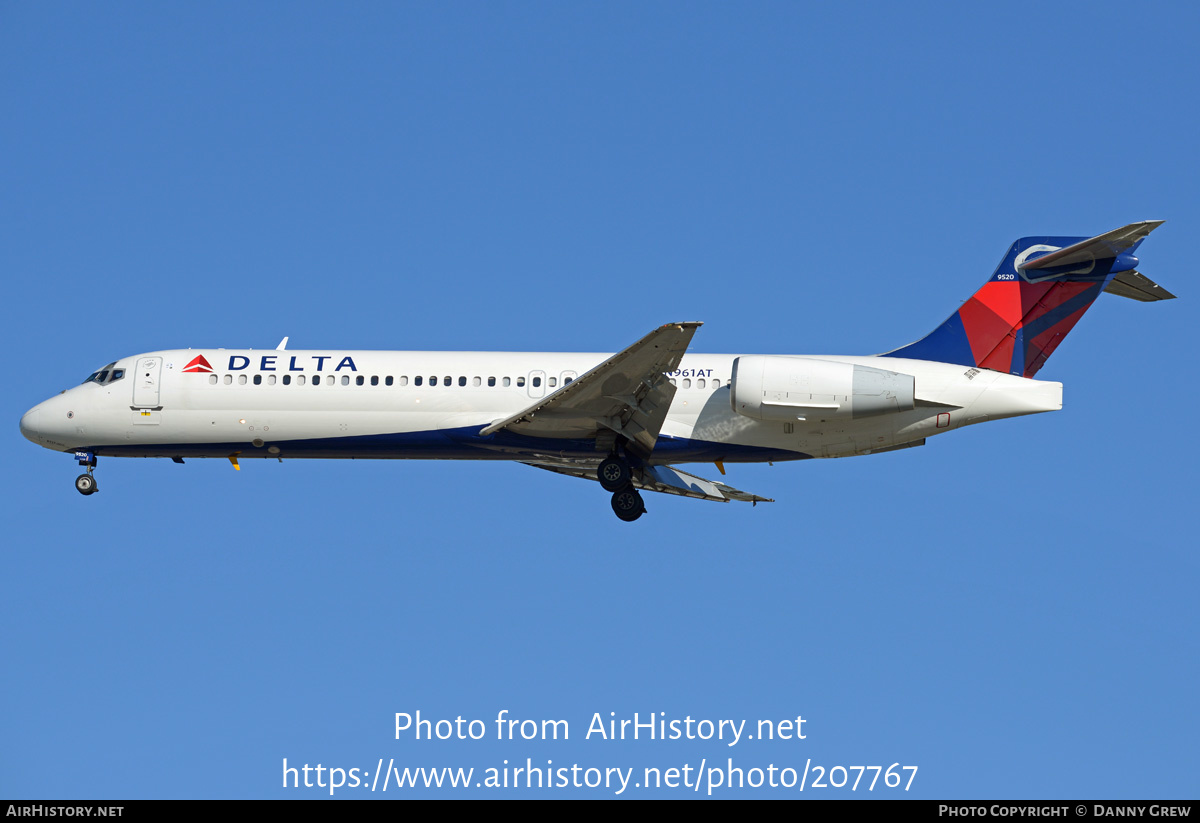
{"points": [[1010, 608]]}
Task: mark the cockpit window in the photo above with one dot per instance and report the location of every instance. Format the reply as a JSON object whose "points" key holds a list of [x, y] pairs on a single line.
{"points": [[106, 375]]}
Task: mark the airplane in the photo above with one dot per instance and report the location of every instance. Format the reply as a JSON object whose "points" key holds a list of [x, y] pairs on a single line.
{"points": [[626, 420]]}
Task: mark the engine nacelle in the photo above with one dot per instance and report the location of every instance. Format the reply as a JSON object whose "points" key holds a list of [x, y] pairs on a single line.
{"points": [[767, 387]]}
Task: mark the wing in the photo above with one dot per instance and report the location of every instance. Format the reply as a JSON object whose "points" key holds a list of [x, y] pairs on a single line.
{"points": [[628, 394], [666, 479]]}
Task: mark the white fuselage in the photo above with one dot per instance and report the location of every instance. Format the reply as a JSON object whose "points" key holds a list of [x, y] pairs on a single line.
{"points": [[379, 404]]}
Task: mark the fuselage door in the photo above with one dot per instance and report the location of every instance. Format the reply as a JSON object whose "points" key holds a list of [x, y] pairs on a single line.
{"points": [[537, 383], [145, 382]]}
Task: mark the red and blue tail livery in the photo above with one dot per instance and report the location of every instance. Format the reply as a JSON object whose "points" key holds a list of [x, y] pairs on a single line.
{"points": [[1035, 297]]}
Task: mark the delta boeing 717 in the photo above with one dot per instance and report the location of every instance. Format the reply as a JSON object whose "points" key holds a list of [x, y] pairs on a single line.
{"points": [[627, 420]]}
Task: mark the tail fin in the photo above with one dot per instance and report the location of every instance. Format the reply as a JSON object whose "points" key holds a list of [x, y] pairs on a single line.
{"points": [[1035, 297]]}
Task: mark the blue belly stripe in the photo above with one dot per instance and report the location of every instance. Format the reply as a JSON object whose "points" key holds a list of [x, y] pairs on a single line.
{"points": [[452, 444]]}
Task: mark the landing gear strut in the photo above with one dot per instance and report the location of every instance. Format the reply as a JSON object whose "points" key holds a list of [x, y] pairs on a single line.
{"points": [[85, 484]]}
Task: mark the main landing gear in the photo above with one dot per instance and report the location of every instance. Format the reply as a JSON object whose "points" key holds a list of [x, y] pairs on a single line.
{"points": [[85, 484], [616, 476], [614, 473], [628, 505]]}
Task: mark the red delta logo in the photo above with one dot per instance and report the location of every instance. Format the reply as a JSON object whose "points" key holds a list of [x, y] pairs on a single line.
{"points": [[198, 364]]}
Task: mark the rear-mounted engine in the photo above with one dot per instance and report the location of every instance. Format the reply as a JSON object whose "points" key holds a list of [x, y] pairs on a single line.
{"points": [[798, 388]]}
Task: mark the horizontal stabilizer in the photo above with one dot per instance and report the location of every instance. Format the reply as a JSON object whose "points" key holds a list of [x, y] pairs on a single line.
{"points": [[1137, 286], [1084, 253]]}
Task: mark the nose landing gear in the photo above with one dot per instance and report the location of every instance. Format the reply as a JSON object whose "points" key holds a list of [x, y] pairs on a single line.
{"points": [[85, 484]]}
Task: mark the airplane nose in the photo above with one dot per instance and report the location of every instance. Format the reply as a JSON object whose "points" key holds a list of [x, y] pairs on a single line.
{"points": [[31, 425]]}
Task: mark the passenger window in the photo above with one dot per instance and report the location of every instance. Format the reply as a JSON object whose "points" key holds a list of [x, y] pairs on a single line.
{"points": [[537, 382], [241, 379], [552, 381], [300, 380], [716, 384], [507, 381], [700, 383], [358, 381], [462, 381], [374, 380], [687, 382], [270, 380], [403, 381], [329, 380], [432, 381], [491, 382], [345, 380], [287, 380], [673, 383], [520, 382], [212, 379], [388, 381], [446, 381], [567, 380], [258, 379], [417, 380], [229, 380], [475, 381]]}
